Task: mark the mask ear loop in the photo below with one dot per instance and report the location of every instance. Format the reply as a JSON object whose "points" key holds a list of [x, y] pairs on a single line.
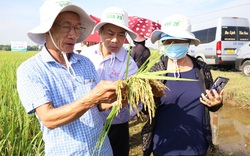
{"points": [[177, 70], [68, 64]]}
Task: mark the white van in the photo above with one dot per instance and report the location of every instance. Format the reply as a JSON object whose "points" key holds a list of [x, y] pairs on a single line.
{"points": [[220, 39], [242, 61]]}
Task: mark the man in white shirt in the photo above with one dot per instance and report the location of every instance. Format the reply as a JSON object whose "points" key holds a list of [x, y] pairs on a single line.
{"points": [[110, 59]]}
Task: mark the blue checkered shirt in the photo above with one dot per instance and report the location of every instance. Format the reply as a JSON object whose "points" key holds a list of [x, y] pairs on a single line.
{"points": [[41, 79]]}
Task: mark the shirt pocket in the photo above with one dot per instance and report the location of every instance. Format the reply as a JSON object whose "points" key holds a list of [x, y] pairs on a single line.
{"points": [[82, 86]]}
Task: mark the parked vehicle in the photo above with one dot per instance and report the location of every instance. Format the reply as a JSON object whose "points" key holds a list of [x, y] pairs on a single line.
{"points": [[242, 61], [220, 39]]}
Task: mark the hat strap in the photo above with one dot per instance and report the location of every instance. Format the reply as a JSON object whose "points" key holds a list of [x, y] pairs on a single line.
{"points": [[177, 71], [68, 64]]}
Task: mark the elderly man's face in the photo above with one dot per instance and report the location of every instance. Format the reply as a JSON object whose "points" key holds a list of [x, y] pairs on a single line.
{"points": [[113, 37], [66, 30]]}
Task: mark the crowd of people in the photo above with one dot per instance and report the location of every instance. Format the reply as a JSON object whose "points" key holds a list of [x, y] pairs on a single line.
{"points": [[73, 93]]}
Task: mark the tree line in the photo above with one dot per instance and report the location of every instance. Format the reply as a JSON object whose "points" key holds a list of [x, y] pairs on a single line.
{"points": [[29, 48]]}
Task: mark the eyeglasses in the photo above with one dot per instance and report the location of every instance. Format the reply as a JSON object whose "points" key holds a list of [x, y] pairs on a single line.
{"points": [[79, 29]]}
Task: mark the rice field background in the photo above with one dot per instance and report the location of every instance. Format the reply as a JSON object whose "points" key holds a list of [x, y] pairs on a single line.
{"points": [[20, 133]]}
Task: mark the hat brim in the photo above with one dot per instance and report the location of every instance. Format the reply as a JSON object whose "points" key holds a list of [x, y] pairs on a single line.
{"points": [[172, 38], [38, 36], [156, 35], [132, 34]]}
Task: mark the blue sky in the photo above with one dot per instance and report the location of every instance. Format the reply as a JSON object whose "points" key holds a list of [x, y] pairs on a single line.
{"points": [[19, 16]]}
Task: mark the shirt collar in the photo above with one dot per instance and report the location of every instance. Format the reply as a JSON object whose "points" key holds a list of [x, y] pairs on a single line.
{"points": [[120, 55], [48, 58]]}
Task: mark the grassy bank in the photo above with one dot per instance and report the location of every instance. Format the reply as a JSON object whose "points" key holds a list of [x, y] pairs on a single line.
{"points": [[237, 91], [20, 133]]}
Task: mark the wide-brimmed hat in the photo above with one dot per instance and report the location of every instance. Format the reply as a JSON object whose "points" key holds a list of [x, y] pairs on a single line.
{"points": [[175, 27], [48, 13], [115, 16]]}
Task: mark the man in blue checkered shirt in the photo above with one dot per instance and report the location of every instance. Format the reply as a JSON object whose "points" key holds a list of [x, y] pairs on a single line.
{"points": [[61, 87]]}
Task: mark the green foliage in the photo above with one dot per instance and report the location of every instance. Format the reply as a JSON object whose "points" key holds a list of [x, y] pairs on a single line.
{"points": [[5, 47], [8, 48], [20, 133]]}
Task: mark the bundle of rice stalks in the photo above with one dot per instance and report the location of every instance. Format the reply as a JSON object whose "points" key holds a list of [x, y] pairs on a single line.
{"points": [[139, 89]]}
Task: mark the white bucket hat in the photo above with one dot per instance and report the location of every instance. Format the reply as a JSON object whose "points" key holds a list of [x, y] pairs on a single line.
{"points": [[48, 13], [175, 27], [115, 16]]}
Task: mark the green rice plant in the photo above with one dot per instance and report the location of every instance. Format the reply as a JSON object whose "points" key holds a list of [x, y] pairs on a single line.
{"points": [[19, 132]]}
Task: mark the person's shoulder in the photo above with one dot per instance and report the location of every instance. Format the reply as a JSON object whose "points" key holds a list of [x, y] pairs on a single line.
{"points": [[147, 49], [85, 62], [80, 56], [30, 62], [206, 70], [133, 47], [200, 63], [158, 66], [90, 50], [83, 58], [30, 66]]}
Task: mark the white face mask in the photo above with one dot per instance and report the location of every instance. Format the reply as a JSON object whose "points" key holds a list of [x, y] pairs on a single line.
{"points": [[175, 51]]}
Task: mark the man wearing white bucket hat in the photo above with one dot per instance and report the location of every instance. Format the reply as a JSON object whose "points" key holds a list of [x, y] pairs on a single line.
{"points": [[182, 123], [63, 87], [110, 58]]}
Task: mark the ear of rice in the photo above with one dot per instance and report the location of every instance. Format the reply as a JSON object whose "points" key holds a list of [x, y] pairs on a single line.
{"points": [[138, 91]]}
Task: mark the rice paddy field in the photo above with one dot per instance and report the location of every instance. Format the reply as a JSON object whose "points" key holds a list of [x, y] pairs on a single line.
{"points": [[20, 133]]}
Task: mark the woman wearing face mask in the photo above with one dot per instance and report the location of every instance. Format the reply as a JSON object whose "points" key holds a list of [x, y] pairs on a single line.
{"points": [[182, 122]]}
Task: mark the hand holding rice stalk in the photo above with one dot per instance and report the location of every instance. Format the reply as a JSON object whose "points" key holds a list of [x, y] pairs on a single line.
{"points": [[140, 88]]}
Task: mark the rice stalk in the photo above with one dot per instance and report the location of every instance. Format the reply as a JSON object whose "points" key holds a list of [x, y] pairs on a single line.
{"points": [[105, 129], [138, 90]]}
